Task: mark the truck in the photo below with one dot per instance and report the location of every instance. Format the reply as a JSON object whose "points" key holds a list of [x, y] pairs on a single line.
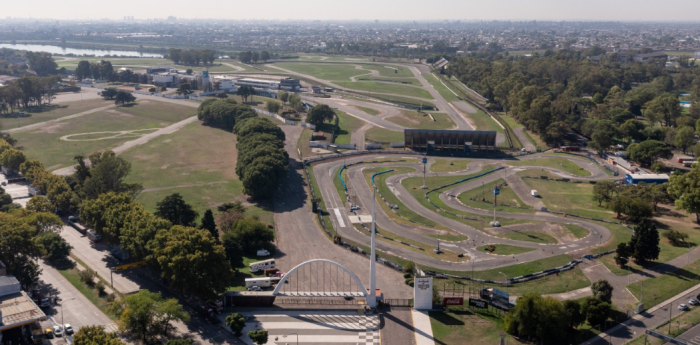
{"points": [[259, 282], [261, 265], [37, 333], [75, 223], [93, 236], [40, 299], [534, 193]]}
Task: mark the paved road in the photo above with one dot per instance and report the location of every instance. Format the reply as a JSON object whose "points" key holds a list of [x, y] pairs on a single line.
{"points": [[349, 107], [635, 327], [423, 71], [77, 310], [527, 145], [295, 221], [42, 124], [691, 336]]}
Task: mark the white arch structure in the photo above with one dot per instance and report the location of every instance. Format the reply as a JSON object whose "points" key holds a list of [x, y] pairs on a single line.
{"points": [[362, 291]]}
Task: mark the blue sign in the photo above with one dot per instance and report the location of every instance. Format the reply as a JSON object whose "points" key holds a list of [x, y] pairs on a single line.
{"points": [[496, 192], [425, 160]]}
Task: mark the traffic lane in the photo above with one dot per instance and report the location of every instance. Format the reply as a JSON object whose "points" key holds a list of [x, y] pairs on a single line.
{"points": [[72, 306], [647, 320], [692, 335], [98, 258], [419, 72]]}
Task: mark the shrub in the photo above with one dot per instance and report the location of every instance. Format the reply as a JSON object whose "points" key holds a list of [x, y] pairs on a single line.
{"points": [[409, 282], [87, 276], [100, 286]]}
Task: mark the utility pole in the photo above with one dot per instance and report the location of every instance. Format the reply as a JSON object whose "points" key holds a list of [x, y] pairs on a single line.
{"points": [[425, 162], [372, 294]]}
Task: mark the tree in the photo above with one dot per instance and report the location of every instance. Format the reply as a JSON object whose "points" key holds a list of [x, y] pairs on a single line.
{"points": [[12, 158], [258, 336], [209, 224], [42, 63], [696, 149], [123, 97], [179, 342], [603, 191], [574, 315], [686, 189], [95, 335], [645, 242], [109, 93], [542, 318], [236, 322], [604, 135], [595, 310], [107, 174], [257, 125], [139, 229], [39, 204], [221, 95], [622, 254], [226, 219], [184, 89], [676, 237], [251, 234], [272, 106], [283, 96], [264, 55], [105, 214], [685, 136], [192, 261], [648, 151], [173, 208], [55, 247], [320, 114], [602, 290], [666, 107], [18, 248], [146, 313], [233, 250], [245, 91]]}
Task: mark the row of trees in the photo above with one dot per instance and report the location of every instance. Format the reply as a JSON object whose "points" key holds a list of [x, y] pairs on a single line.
{"points": [[635, 202], [262, 160], [95, 70], [27, 233], [42, 63], [26, 92], [122, 97], [254, 57], [223, 113], [192, 57]]}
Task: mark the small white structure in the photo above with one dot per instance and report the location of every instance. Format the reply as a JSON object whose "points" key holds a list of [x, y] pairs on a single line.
{"points": [[423, 293], [534, 193]]}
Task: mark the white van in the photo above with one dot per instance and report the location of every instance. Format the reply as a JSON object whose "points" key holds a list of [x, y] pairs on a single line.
{"points": [[261, 265], [263, 252]]}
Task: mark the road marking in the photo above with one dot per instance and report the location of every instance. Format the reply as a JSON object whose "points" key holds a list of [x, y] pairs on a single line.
{"points": [[339, 217]]}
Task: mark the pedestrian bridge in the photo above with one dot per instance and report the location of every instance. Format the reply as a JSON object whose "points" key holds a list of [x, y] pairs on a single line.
{"points": [[320, 278]]}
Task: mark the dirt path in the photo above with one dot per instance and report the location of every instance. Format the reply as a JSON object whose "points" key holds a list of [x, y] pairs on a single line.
{"points": [[42, 124], [237, 68]]}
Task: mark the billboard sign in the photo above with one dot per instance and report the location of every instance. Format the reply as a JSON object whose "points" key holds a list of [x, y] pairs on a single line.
{"points": [[453, 301], [496, 192], [478, 303], [425, 160], [500, 299]]}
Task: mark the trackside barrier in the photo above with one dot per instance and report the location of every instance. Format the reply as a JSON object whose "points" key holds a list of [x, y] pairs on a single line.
{"points": [[340, 176], [521, 279]]}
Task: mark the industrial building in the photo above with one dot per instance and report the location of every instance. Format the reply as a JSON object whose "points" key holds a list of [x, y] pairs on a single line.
{"points": [[17, 311], [289, 84], [449, 141], [646, 178]]}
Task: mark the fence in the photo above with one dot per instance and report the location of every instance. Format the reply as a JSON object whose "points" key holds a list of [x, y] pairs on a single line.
{"points": [[308, 125], [267, 113]]}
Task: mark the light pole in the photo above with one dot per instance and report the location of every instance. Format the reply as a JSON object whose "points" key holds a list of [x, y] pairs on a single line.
{"points": [[62, 324], [506, 280], [425, 162], [111, 280]]}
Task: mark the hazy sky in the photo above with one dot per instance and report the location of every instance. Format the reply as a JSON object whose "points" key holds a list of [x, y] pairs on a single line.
{"points": [[616, 10]]}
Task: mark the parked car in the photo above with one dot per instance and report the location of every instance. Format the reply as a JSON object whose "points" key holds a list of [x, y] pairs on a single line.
{"points": [[254, 288], [49, 333], [693, 301], [68, 328], [57, 331], [683, 307]]}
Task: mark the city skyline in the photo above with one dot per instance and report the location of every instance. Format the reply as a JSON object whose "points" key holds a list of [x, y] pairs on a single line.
{"points": [[593, 10]]}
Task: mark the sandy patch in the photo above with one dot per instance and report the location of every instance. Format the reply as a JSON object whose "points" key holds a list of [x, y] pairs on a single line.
{"points": [[558, 231], [167, 140], [404, 118], [53, 128], [119, 113]]}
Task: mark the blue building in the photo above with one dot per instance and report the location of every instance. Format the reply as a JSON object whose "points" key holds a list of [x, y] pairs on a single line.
{"points": [[646, 178]]}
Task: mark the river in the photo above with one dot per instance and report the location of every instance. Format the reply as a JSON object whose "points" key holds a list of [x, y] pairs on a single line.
{"points": [[77, 52]]}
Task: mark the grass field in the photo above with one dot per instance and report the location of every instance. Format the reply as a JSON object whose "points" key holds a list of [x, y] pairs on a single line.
{"points": [[367, 110], [391, 198], [441, 89], [51, 112], [382, 135], [390, 88], [180, 163], [45, 144], [556, 163], [659, 289], [483, 122], [506, 196], [347, 124], [575, 198], [504, 249], [325, 71], [414, 119], [446, 165], [468, 327]]}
